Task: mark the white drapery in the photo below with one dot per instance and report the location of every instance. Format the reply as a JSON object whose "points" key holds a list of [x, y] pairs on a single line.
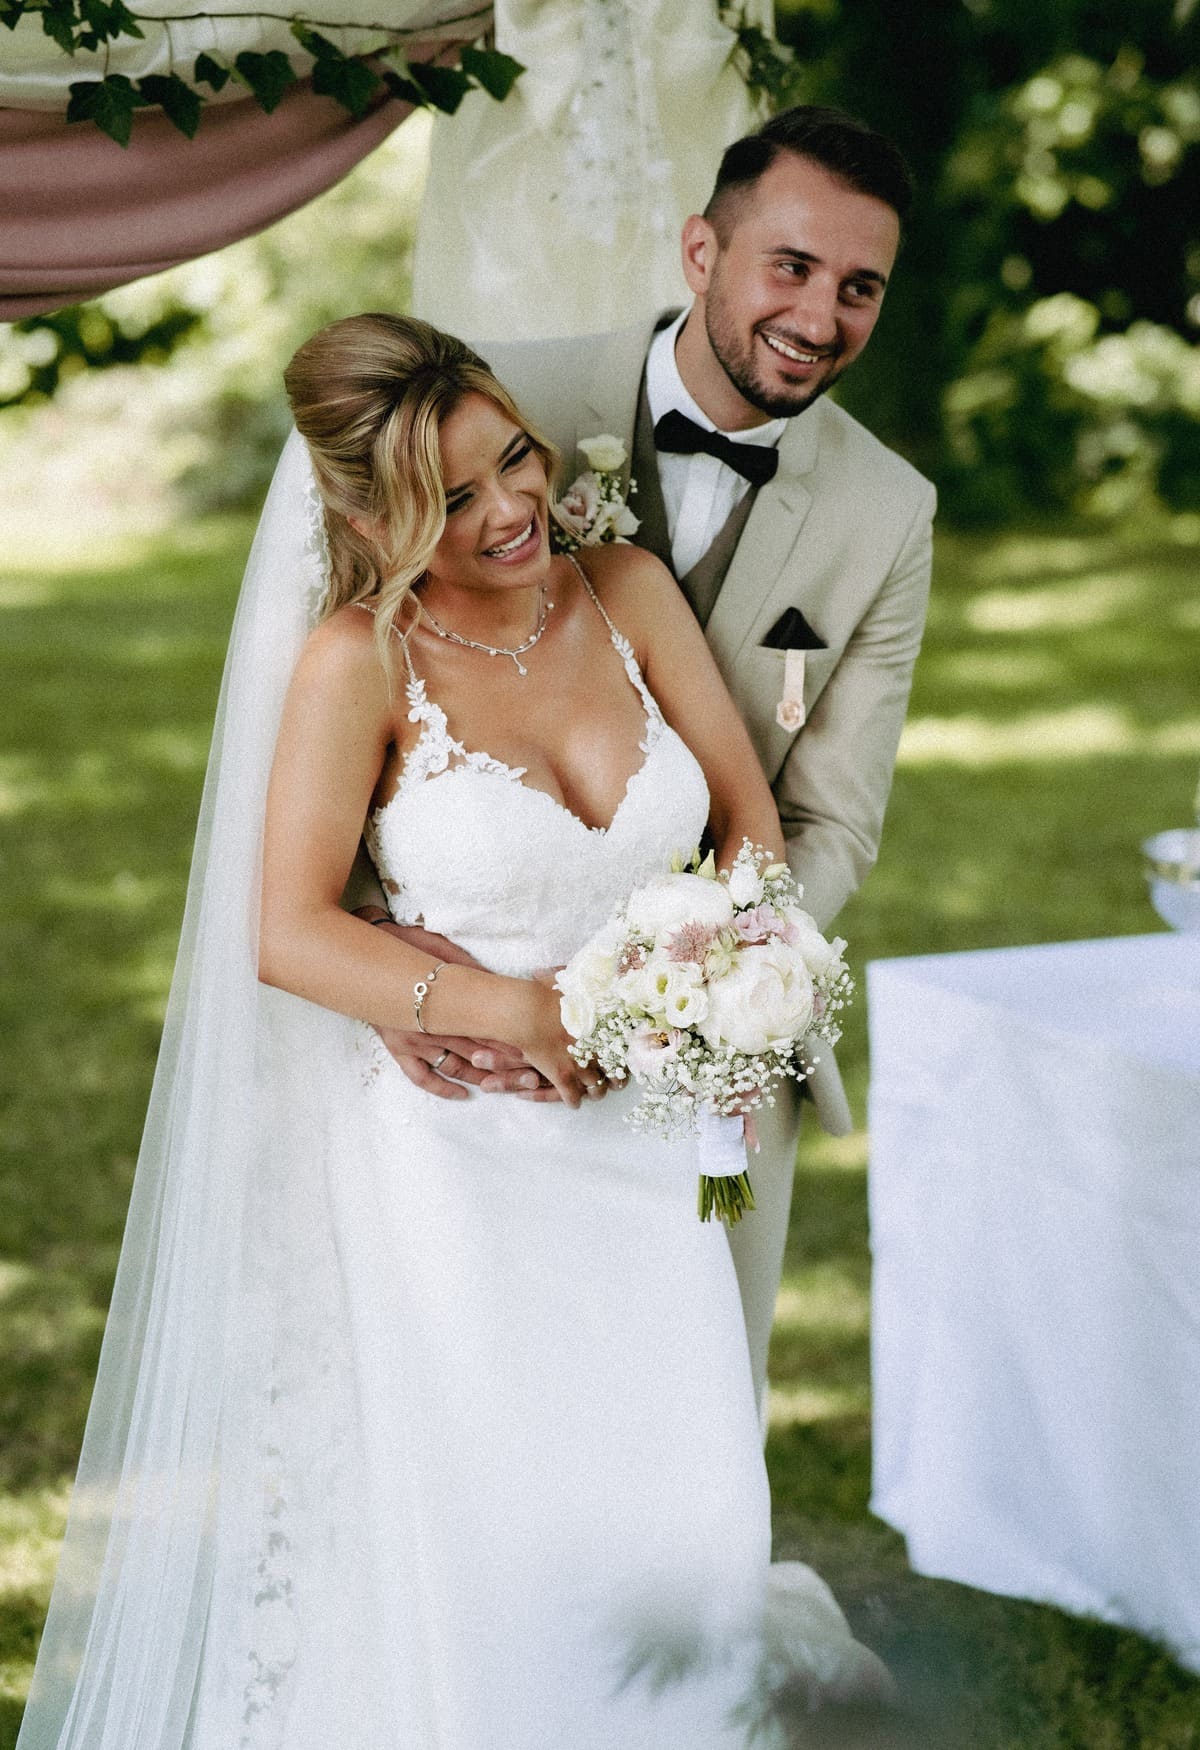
{"points": [[558, 212]]}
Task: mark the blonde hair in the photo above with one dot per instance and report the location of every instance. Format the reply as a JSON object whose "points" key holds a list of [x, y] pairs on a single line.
{"points": [[368, 394]]}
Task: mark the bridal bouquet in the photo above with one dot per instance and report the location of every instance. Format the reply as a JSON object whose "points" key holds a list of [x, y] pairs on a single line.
{"points": [[592, 509], [707, 989]]}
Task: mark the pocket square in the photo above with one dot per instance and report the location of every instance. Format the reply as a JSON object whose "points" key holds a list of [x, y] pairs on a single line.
{"points": [[792, 631]]}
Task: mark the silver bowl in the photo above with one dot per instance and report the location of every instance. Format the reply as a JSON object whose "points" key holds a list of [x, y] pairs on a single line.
{"points": [[1173, 871]]}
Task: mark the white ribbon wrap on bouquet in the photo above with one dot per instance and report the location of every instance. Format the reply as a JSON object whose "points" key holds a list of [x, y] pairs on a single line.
{"points": [[558, 211], [722, 1145]]}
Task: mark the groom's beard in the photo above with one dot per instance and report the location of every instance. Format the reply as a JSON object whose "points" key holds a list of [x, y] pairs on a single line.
{"points": [[736, 359]]}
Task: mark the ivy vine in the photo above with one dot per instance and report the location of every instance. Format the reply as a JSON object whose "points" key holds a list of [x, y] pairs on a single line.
{"points": [[353, 81]]}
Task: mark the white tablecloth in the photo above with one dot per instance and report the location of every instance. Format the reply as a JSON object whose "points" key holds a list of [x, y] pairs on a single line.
{"points": [[1035, 1222]]}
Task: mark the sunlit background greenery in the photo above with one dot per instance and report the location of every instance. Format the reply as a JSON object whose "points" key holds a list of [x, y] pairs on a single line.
{"points": [[1038, 357]]}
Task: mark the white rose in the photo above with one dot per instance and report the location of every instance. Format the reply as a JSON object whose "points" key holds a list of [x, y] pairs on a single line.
{"points": [[604, 453], [745, 884], [766, 999], [820, 956], [674, 900]]}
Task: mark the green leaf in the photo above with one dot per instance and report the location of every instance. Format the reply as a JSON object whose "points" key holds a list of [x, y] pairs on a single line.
{"points": [[178, 102], [59, 25], [109, 103], [210, 72], [122, 21], [349, 82], [444, 87], [496, 72], [106, 19], [709, 867], [405, 90], [267, 76]]}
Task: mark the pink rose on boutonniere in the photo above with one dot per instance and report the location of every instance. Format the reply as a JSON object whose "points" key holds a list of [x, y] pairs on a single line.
{"points": [[592, 509]]}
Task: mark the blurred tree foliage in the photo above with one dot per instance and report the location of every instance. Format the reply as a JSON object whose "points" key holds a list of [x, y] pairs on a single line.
{"points": [[1039, 346]]}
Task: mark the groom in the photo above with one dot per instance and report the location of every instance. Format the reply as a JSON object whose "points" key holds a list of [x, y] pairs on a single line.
{"points": [[801, 542]]}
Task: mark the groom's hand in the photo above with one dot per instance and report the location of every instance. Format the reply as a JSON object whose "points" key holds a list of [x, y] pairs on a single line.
{"points": [[443, 1063]]}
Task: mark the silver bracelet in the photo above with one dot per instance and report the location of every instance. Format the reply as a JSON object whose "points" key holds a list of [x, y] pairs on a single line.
{"points": [[421, 991]]}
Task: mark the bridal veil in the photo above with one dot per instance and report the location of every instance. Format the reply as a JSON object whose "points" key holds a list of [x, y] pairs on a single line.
{"points": [[220, 1256]]}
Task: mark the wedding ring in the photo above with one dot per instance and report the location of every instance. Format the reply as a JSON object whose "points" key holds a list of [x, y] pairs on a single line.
{"points": [[440, 1059]]}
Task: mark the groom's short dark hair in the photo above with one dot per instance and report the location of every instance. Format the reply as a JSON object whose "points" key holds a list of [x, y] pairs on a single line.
{"points": [[838, 142]]}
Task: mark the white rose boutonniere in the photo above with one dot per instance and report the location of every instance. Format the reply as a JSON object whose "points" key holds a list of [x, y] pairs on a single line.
{"points": [[592, 509]]}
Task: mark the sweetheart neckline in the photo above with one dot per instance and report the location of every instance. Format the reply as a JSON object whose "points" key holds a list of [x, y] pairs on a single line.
{"points": [[515, 775]]}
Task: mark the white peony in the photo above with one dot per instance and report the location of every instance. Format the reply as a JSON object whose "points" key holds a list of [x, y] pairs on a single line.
{"points": [[604, 453], [674, 900], [767, 999], [587, 978], [745, 884], [578, 1013], [820, 956]]}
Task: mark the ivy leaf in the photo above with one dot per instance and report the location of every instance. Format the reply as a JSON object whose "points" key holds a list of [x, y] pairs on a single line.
{"points": [[349, 82], [178, 102], [58, 22], [335, 74], [268, 76], [496, 72], [443, 87], [11, 12], [121, 21], [405, 90], [106, 19], [210, 72], [109, 103]]}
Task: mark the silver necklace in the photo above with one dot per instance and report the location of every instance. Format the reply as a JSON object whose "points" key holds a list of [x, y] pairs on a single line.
{"points": [[517, 651]]}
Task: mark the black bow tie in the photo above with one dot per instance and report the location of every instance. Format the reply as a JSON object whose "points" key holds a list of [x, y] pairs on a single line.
{"points": [[683, 437]]}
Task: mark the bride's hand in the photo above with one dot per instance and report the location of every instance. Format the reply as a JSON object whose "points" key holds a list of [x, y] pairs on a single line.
{"points": [[545, 1044], [447, 1065]]}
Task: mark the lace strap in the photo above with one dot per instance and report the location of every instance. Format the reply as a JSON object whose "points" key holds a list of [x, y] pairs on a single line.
{"points": [[623, 648], [408, 661]]}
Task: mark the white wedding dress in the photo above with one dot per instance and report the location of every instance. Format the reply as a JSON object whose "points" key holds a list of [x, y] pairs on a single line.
{"points": [[537, 1514]]}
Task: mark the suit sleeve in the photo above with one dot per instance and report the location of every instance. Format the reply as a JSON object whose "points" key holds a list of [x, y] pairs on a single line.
{"points": [[833, 787]]}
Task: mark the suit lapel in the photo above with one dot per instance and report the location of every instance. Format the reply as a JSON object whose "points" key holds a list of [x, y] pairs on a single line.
{"points": [[611, 395], [647, 504]]}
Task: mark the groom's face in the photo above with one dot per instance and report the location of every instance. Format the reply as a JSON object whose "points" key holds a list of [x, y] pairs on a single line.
{"points": [[789, 281]]}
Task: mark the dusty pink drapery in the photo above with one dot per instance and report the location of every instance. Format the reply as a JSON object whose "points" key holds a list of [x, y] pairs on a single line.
{"points": [[80, 215]]}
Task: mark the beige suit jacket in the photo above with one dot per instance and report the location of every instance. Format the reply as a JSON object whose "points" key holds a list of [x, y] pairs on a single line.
{"points": [[843, 534]]}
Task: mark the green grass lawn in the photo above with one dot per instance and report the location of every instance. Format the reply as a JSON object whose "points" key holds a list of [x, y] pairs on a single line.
{"points": [[1055, 722]]}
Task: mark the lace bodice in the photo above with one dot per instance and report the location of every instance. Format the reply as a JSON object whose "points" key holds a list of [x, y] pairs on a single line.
{"points": [[507, 871]]}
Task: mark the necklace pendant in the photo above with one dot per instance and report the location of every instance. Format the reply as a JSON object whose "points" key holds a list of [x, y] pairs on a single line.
{"points": [[521, 669]]}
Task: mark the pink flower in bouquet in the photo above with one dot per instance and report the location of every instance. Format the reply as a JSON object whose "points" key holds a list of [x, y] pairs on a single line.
{"points": [[650, 1049], [691, 942], [762, 923]]}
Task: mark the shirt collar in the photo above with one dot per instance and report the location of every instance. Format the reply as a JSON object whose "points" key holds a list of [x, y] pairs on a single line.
{"points": [[665, 391]]}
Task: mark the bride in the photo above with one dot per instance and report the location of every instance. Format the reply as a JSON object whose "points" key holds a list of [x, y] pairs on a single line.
{"points": [[423, 1423]]}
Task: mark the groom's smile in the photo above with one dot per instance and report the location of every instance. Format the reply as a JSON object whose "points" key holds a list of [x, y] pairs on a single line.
{"points": [[789, 277]]}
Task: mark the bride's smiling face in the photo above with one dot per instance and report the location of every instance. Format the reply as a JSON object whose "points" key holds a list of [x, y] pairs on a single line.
{"points": [[497, 522]]}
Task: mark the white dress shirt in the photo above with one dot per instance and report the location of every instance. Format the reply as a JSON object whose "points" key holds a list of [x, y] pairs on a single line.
{"points": [[698, 491]]}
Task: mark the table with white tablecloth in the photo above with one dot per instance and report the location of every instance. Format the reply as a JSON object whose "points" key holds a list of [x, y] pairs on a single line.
{"points": [[1035, 1224]]}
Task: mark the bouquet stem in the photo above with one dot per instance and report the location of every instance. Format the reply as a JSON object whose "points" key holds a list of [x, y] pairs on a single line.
{"points": [[730, 1196]]}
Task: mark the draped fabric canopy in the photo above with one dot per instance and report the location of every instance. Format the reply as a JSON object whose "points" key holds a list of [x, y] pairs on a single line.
{"points": [[80, 215]]}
